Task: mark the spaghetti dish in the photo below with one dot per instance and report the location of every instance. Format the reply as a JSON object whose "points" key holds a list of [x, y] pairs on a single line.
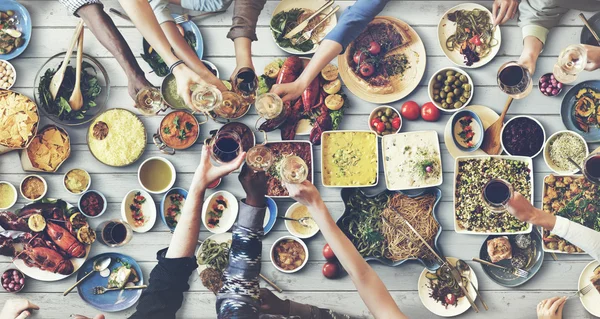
{"points": [[474, 36], [418, 212]]}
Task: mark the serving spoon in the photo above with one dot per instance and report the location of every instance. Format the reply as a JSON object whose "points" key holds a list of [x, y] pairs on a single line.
{"points": [[303, 221], [464, 267], [76, 99], [99, 265], [59, 76], [491, 138]]}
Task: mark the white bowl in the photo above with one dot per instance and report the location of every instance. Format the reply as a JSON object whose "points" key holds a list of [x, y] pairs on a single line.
{"points": [[430, 89], [45, 187], [103, 207], [303, 246], [14, 72], [288, 223], [148, 210], [173, 174], [229, 214], [550, 163], [522, 116], [383, 108], [16, 195], [88, 185]]}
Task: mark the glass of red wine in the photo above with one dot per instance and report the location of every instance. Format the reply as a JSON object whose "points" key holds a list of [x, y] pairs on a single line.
{"points": [[225, 146], [514, 80], [591, 168], [496, 194], [114, 233]]}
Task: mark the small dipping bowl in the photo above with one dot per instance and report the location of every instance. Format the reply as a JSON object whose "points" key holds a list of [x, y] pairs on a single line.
{"points": [[85, 189], [43, 193], [548, 87], [478, 131], [103, 206], [524, 137], [14, 192], [383, 108], [294, 239], [15, 278]]}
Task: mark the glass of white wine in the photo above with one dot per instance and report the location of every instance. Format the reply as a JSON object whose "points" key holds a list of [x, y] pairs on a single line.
{"points": [[149, 101], [269, 106], [293, 169], [260, 157], [570, 63]]}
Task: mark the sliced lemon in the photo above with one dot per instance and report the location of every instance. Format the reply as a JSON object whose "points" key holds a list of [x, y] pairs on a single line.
{"points": [[86, 235], [36, 223], [330, 72], [13, 33], [332, 87], [334, 102], [272, 69], [227, 84], [78, 220]]}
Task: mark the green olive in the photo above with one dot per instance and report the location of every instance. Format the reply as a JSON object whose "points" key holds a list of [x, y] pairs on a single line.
{"points": [[466, 94], [458, 105], [457, 92], [457, 83], [379, 113], [450, 94], [451, 78], [384, 119], [388, 112], [437, 85], [443, 94], [10, 13], [436, 97], [449, 100], [446, 82], [466, 87], [440, 77], [444, 105], [449, 73], [463, 99], [463, 78], [447, 89]]}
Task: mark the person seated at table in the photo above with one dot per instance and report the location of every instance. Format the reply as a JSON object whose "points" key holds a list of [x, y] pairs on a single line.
{"points": [[551, 308], [243, 28], [537, 17], [351, 23], [370, 287], [575, 233], [103, 27], [172, 48]]}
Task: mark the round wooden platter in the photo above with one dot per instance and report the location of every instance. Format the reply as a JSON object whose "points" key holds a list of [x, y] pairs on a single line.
{"points": [[403, 84]]}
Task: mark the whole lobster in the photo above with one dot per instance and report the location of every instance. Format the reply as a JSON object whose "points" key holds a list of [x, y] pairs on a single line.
{"points": [[46, 259], [65, 240], [322, 123]]}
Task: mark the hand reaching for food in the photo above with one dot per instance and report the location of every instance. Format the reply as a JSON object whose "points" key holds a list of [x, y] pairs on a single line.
{"points": [[17, 308], [521, 208], [304, 193], [551, 308], [288, 91], [504, 10], [185, 79]]}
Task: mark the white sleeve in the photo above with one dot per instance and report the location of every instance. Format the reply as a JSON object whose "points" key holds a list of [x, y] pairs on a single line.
{"points": [[579, 235]]}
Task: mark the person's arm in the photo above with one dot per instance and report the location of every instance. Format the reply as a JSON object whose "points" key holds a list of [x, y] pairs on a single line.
{"points": [[351, 23], [239, 296], [370, 287], [243, 31], [577, 234], [273, 305]]}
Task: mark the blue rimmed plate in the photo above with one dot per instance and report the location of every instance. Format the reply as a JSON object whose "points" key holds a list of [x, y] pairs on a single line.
{"points": [[110, 301], [431, 265], [270, 215], [24, 26], [164, 204], [567, 111]]}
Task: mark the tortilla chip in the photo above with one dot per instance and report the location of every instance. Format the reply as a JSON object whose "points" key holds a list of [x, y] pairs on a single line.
{"points": [[18, 116], [49, 149]]}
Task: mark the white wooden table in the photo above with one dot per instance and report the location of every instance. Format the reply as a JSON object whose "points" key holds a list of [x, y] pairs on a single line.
{"points": [[52, 29]]}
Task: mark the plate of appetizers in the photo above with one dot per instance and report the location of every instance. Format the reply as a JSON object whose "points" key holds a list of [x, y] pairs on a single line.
{"points": [[487, 117], [385, 62]]}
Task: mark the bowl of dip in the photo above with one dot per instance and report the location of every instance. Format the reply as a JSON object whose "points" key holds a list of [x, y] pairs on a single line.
{"points": [[92, 204], [178, 130], [33, 187], [297, 211], [77, 181], [467, 130], [8, 195]]}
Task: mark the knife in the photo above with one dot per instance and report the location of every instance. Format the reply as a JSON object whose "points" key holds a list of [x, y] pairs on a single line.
{"points": [[304, 23], [457, 276]]}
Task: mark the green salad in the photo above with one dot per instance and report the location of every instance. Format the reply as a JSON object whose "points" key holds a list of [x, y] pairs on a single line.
{"points": [[284, 21]]}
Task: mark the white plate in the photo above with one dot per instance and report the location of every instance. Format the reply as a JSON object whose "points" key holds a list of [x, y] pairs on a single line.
{"points": [[446, 28], [229, 215], [487, 116], [436, 307], [285, 5], [527, 160], [591, 300], [304, 127], [430, 136], [42, 275], [219, 238], [148, 209]]}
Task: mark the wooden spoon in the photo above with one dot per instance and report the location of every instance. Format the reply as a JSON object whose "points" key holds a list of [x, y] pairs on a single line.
{"points": [[60, 74], [491, 139], [76, 99]]}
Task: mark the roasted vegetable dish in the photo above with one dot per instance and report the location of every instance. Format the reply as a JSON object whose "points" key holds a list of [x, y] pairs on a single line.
{"points": [[10, 37], [471, 177], [574, 198], [587, 109]]}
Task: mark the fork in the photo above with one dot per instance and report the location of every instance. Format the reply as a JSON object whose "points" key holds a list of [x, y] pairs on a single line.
{"points": [[99, 290], [583, 291], [186, 17], [516, 271], [308, 34]]}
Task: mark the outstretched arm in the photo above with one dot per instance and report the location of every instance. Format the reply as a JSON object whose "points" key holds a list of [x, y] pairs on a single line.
{"points": [[370, 287], [243, 31]]}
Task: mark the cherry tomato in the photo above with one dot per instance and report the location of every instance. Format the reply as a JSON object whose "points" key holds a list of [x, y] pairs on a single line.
{"points": [[410, 110], [374, 48], [450, 299], [430, 112], [328, 252], [366, 69], [331, 270], [359, 56], [374, 121], [380, 127], [476, 40], [396, 123]]}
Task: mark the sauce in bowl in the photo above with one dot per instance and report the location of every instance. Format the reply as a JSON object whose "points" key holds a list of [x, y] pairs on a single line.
{"points": [[179, 130]]}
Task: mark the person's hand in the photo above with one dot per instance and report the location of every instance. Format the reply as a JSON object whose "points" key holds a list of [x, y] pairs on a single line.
{"points": [[305, 193], [272, 305], [504, 10], [255, 186], [238, 67], [593, 57], [551, 308], [185, 79], [521, 208], [288, 91], [528, 62], [17, 308], [207, 173]]}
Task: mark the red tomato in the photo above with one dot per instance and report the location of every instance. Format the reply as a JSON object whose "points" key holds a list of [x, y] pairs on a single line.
{"points": [[380, 127], [450, 299], [359, 56], [328, 252], [366, 69], [396, 123], [430, 112], [331, 270], [374, 48], [410, 110]]}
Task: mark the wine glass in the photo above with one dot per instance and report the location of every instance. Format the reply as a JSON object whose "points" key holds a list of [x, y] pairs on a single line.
{"points": [[225, 146], [260, 157], [232, 106], [293, 169], [269, 106], [591, 168], [245, 83], [496, 194], [149, 101], [514, 80], [570, 63], [205, 98]]}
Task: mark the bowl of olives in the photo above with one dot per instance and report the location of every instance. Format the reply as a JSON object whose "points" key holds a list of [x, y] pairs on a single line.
{"points": [[450, 89], [385, 120]]}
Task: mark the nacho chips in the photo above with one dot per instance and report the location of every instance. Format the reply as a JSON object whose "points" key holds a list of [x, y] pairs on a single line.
{"points": [[18, 119], [49, 149]]}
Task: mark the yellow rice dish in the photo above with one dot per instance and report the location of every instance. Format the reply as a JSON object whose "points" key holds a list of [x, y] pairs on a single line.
{"points": [[117, 137], [349, 158]]}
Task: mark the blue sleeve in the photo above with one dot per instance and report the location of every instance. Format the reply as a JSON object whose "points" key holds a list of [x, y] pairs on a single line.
{"points": [[354, 20]]}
